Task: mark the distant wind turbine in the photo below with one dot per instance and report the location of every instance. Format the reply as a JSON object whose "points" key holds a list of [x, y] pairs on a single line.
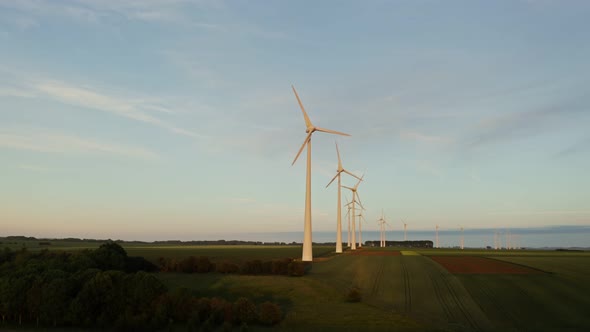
{"points": [[307, 255], [462, 240], [381, 221], [436, 237], [405, 230], [354, 200], [361, 220], [339, 205]]}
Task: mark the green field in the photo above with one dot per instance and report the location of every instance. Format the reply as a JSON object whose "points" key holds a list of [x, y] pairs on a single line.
{"points": [[409, 292], [412, 292]]}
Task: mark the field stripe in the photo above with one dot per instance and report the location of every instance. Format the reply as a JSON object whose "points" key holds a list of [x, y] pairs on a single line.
{"points": [[378, 278], [442, 286], [407, 286]]}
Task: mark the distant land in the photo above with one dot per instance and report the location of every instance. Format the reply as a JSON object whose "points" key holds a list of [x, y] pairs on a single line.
{"points": [[550, 237]]}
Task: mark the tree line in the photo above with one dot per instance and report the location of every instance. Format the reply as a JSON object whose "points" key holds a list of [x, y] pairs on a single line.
{"points": [[202, 264], [105, 288]]}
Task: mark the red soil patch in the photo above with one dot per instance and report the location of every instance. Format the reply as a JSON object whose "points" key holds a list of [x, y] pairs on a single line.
{"points": [[374, 253], [480, 265], [321, 259]]}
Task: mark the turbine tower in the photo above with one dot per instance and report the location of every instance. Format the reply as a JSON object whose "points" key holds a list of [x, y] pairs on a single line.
{"points": [[436, 237], [361, 220], [307, 255], [348, 217], [381, 221], [339, 205], [462, 240], [405, 230], [352, 203]]}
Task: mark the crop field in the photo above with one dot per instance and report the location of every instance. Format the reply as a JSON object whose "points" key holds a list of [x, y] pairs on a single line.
{"points": [[402, 290], [481, 265], [417, 292]]}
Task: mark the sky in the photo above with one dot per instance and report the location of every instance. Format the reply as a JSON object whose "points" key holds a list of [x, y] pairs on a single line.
{"points": [[175, 119]]}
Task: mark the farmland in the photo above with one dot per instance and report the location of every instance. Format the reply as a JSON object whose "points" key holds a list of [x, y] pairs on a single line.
{"points": [[400, 289], [541, 291]]}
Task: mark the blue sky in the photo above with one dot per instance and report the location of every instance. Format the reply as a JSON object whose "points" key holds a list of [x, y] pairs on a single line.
{"points": [[156, 119]]}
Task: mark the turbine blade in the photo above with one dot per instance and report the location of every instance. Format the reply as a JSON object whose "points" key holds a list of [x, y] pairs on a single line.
{"points": [[331, 131], [307, 138], [307, 121], [348, 188], [347, 172], [334, 178], [338, 153], [359, 198], [359, 181]]}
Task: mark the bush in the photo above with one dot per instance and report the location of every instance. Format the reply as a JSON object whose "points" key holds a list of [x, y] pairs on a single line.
{"points": [[269, 313], [354, 295], [296, 269], [204, 265], [218, 310], [227, 267], [244, 310]]}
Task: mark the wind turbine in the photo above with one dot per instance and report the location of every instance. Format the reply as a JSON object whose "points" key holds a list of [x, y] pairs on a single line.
{"points": [[436, 238], [381, 221], [348, 217], [307, 255], [361, 218], [355, 195], [462, 241], [339, 205], [405, 230]]}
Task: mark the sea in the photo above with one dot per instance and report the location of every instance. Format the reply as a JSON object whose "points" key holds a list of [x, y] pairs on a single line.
{"points": [[532, 237]]}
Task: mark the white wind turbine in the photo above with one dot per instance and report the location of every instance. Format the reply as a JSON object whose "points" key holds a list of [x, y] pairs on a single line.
{"points": [[462, 240], [381, 221], [405, 230], [339, 205], [307, 255], [355, 195], [348, 216], [436, 237], [351, 231], [361, 220]]}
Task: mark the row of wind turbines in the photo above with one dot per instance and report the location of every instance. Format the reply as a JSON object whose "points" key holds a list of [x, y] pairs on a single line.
{"points": [[307, 254]]}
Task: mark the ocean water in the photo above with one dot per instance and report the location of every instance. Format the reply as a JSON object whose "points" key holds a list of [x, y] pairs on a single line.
{"points": [[540, 237]]}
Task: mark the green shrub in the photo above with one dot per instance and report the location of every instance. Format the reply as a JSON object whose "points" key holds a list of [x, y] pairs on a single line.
{"points": [[244, 310], [269, 313], [354, 295]]}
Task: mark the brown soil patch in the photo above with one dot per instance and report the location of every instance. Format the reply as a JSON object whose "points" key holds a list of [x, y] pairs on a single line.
{"points": [[480, 265], [321, 259]]}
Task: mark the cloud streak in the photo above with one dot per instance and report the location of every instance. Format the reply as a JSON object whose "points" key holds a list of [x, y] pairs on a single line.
{"points": [[40, 140], [123, 107], [522, 124]]}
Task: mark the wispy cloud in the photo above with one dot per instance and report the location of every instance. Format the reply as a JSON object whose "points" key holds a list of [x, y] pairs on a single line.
{"points": [[16, 92], [546, 212], [90, 11], [135, 109], [34, 168], [428, 167], [526, 123], [577, 147], [40, 140], [421, 137]]}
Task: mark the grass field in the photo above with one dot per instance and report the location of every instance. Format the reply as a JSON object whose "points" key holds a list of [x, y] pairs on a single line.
{"points": [[413, 292], [403, 290]]}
